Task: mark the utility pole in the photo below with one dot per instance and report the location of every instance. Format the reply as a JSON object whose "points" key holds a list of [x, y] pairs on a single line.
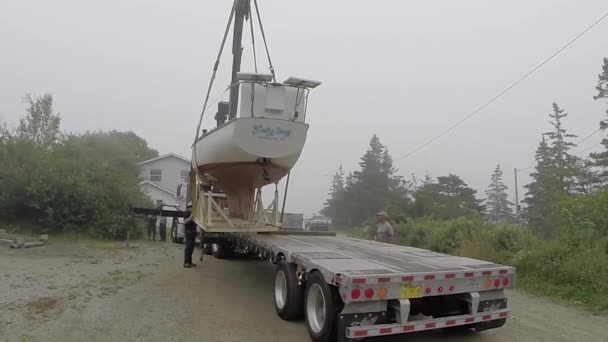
{"points": [[516, 195]]}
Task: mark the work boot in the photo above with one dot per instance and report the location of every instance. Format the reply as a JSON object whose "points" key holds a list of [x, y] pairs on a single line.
{"points": [[189, 264]]}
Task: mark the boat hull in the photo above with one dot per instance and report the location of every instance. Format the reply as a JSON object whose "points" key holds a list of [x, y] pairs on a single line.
{"points": [[246, 154]]}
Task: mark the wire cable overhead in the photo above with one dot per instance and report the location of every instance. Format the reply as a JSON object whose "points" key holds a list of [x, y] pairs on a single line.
{"points": [[506, 90]]}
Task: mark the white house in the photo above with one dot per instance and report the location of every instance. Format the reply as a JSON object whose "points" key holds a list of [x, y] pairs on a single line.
{"points": [[162, 175]]}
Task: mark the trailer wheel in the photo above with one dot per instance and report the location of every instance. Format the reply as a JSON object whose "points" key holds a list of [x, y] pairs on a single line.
{"points": [[320, 309], [174, 237], [207, 249], [288, 294], [221, 250]]}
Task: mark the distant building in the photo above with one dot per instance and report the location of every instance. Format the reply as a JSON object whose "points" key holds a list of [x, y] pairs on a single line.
{"points": [[162, 175]]}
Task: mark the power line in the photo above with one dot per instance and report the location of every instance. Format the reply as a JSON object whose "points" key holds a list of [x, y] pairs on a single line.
{"points": [[588, 148], [587, 137], [506, 90]]}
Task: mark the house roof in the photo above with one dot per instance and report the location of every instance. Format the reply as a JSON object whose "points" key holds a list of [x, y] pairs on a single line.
{"points": [[162, 188], [174, 155]]}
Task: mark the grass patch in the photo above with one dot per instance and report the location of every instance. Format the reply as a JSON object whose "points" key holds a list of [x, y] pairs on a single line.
{"points": [[594, 300]]}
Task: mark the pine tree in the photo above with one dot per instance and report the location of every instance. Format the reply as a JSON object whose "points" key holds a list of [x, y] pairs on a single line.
{"points": [[376, 186], [370, 185], [448, 197], [541, 191], [498, 207], [557, 174], [563, 164], [333, 206], [600, 159]]}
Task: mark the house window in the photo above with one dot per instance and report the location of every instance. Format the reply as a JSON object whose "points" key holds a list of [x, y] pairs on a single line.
{"points": [[156, 175], [185, 176]]}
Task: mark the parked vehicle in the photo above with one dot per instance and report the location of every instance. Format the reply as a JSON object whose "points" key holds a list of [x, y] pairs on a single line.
{"points": [[318, 223]]}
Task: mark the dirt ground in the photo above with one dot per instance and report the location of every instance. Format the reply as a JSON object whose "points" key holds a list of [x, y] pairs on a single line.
{"points": [[91, 291]]}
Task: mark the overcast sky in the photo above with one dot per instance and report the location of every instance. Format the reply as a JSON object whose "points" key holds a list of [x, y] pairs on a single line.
{"points": [[405, 70]]}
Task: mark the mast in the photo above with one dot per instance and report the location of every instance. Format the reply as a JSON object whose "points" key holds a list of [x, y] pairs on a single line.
{"points": [[242, 11]]}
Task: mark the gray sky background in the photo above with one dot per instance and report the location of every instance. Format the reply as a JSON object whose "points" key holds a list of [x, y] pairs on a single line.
{"points": [[405, 70]]}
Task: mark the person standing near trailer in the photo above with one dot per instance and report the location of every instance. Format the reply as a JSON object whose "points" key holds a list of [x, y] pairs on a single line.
{"points": [[384, 230], [162, 228], [151, 227], [189, 241]]}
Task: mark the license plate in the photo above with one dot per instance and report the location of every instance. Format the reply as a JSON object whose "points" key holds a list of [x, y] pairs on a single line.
{"points": [[411, 292]]}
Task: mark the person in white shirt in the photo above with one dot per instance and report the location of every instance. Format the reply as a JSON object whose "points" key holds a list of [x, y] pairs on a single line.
{"points": [[384, 230]]}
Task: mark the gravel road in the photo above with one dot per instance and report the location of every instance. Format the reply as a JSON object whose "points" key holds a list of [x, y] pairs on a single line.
{"points": [[108, 292]]}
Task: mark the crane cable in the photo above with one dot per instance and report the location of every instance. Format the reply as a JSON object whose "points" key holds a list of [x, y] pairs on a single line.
{"points": [[200, 120], [257, 11], [215, 67], [506, 90]]}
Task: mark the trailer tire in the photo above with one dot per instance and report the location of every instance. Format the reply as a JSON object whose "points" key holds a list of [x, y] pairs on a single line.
{"points": [[320, 308], [174, 237], [221, 250], [207, 249], [288, 294]]}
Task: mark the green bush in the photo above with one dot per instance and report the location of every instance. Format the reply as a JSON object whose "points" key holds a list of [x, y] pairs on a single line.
{"points": [[83, 185]]}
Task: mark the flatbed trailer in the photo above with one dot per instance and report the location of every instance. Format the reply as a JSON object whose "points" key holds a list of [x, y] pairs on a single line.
{"points": [[349, 288]]}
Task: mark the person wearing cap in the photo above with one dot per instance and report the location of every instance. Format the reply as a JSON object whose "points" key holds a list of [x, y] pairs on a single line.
{"points": [[384, 230]]}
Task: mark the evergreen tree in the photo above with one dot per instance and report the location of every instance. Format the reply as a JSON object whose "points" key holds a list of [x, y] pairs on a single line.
{"points": [[498, 207], [600, 159], [333, 206], [372, 184], [376, 186], [449, 197], [539, 197], [563, 165], [557, 174]]}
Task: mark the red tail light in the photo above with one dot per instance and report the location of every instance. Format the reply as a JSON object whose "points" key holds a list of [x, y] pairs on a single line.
{"points": [[440, 289], [452, 288], [369, 293], [355, 294], [497, 283], [505, 282]]}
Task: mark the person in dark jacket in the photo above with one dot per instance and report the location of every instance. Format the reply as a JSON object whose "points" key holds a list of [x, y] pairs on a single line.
{"points": [[189, 241], [162, 228], [151, 227]]}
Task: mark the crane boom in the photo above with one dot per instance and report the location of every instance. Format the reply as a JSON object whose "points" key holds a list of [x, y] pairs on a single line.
{"points": [[242, 12]]}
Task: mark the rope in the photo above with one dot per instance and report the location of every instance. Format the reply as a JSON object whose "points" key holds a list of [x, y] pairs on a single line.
{"points": [[255, 61], [215, 67], [257, 11]]}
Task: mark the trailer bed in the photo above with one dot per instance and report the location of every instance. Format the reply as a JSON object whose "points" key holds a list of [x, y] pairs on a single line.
{"points": [[355, 257]]}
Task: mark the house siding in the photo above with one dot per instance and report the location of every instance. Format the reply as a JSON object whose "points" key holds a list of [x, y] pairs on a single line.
{"points": [[171, 172], [157, 194]]}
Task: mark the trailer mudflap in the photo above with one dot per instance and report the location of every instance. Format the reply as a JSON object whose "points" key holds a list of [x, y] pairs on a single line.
{"points": [[485, 320]]}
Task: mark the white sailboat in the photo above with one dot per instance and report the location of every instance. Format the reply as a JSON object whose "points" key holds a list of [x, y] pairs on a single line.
{"points": [[259, 137]]}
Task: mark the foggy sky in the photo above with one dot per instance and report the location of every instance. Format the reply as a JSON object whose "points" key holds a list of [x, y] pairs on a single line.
{"points": [[405, 70]]}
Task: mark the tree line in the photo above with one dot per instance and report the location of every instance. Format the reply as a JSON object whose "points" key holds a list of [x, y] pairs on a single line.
{"points": [[56, 182], [558, 175]]}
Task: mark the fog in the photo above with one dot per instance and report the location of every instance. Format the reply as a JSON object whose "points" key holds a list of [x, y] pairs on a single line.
{"points": [[403, 70]]}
